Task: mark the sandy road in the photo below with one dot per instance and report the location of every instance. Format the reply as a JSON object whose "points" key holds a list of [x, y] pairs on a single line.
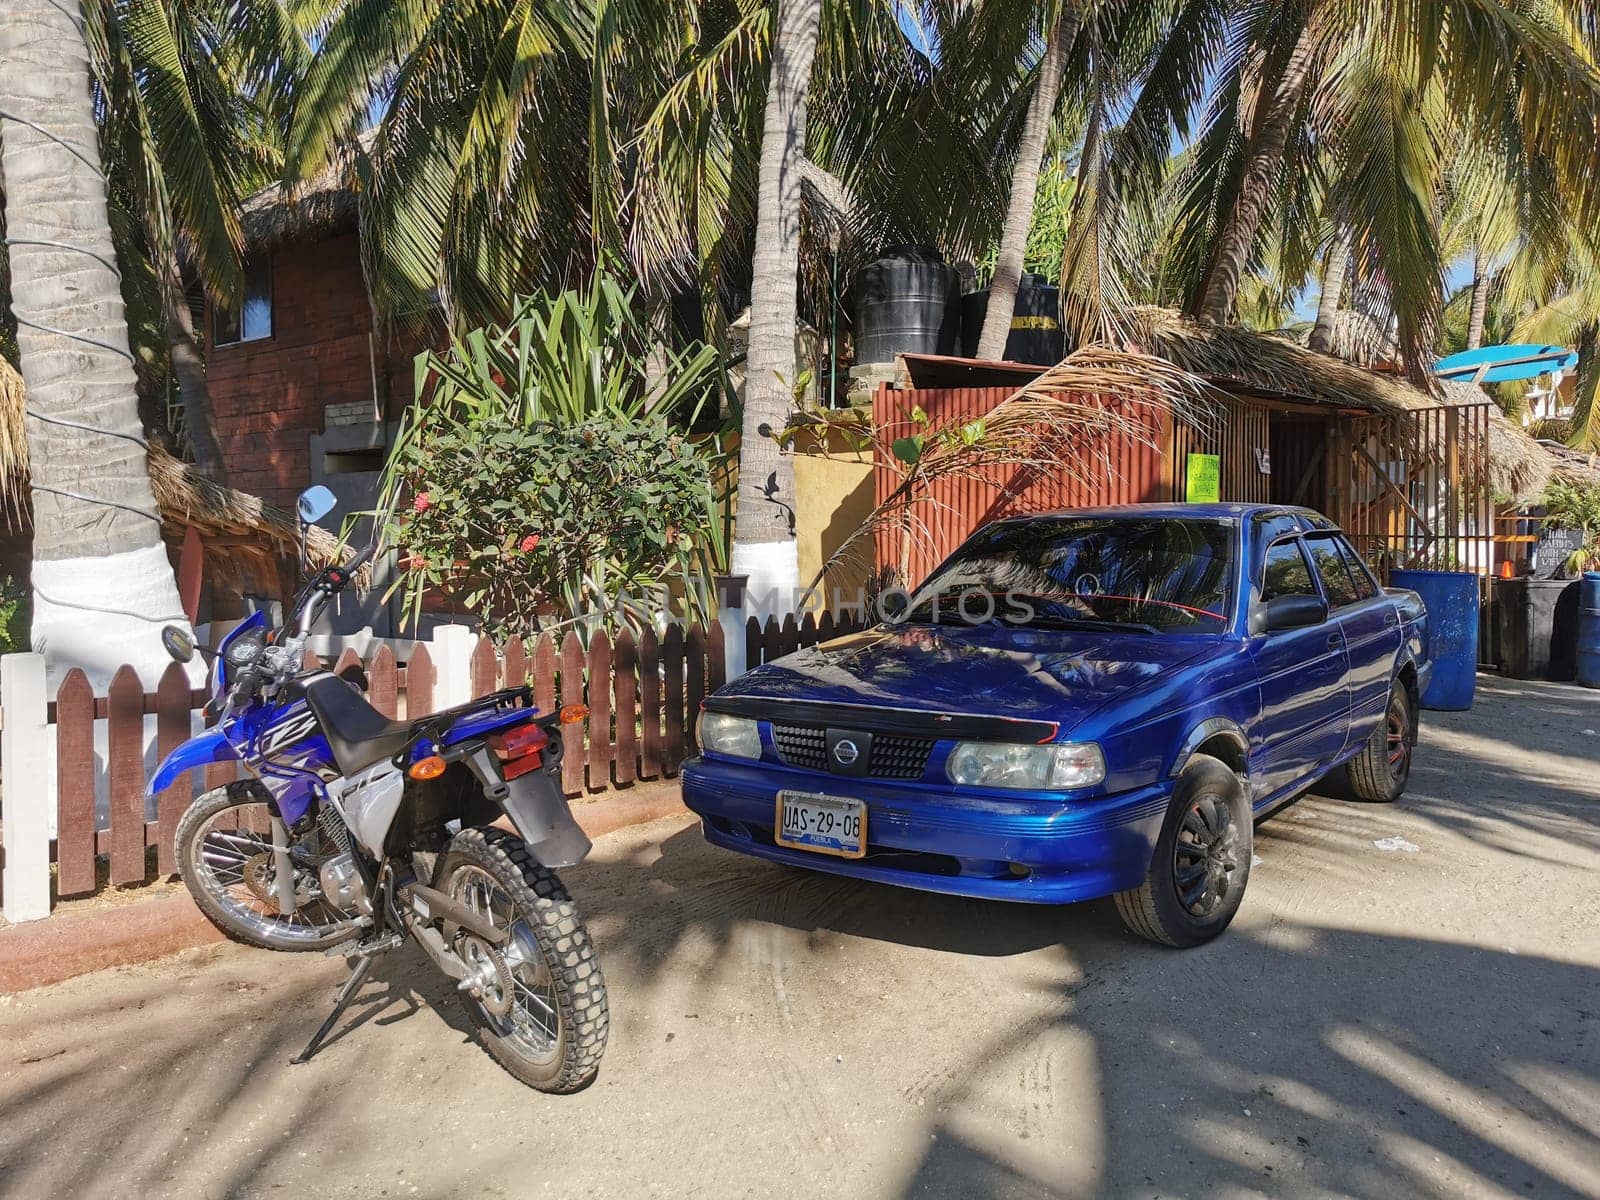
{"points": [[1416, 1021]]}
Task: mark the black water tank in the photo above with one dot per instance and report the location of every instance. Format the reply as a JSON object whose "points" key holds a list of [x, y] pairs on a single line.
{"points": [[907, 302], [1035, 335]]}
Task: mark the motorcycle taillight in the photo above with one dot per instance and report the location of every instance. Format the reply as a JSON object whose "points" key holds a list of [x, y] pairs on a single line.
{"points": [[519, 748]]}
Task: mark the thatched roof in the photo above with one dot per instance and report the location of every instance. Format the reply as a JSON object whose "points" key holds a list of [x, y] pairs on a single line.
{"points": [[1358, 339], [243, 535], [1578, 466], [1273, 366], [308, 209]]}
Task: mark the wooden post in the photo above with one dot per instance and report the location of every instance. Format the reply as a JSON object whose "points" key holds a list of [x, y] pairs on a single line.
{"points": [[650, 705], [599, 700], [125, 763], [419, 683], [625, 662], [544, 673], [383, 681], [25, 750], [754, 645], [174, 720], [75, 840], [484, 668], [672, 698], [694, 661], [572, 693]]}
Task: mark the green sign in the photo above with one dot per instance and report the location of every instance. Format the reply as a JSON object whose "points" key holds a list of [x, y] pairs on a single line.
{"points": [[1205, 479]]}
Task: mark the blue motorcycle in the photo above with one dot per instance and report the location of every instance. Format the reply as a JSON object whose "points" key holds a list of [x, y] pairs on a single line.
{"points": [[356, 833]]}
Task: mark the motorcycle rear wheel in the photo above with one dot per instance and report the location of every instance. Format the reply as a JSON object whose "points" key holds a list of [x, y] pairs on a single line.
{"points": [[224, 851], [541, 1009]]}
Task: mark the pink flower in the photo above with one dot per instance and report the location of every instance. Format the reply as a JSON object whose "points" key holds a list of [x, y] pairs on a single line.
{"points": [[530, 543], [421, 502]]}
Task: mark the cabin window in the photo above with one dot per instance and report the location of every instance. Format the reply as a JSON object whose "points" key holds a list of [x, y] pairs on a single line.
{"points": [[253, 320]]}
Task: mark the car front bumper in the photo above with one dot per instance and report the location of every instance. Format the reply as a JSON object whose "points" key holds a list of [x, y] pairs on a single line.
{"points": [[940, 840]]}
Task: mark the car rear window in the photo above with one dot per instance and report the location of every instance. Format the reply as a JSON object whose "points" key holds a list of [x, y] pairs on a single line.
{"points": [[1336, 582], [1165, 573]]}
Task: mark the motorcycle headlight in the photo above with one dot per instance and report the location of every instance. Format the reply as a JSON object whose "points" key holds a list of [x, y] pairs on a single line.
{"points": [[1026, 767], [736, 737]]}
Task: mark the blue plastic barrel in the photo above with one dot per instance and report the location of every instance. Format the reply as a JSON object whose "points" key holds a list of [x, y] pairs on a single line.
{"points": [[1452, 601], [1589, 630]]}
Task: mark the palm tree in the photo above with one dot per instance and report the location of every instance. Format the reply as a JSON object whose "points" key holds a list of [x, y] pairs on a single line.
{"points": [[1336, 270], [102, 582], [764, 543], [1025, 182], [1366, 103], [188, 96]]}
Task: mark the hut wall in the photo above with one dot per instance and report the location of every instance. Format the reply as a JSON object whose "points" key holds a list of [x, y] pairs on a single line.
{"points": [[272, 395], [1098, 469]]}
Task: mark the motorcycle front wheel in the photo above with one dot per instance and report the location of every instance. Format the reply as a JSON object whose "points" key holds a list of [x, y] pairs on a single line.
{"points": [[225, 855], [538, 999]]}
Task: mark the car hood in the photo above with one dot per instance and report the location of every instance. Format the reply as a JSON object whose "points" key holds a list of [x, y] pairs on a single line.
{"points": [[1038, 674]]}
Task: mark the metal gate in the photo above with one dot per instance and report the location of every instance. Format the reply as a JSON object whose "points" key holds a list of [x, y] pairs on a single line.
{"points": [[1412, 490]]}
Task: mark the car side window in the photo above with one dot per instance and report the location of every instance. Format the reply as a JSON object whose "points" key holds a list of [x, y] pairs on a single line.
{"points": [[1329, 562], [1366, 589], [1284, 572]]}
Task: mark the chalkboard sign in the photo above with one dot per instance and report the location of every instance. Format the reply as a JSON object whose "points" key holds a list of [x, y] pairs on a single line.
{"points": [[1555, 547]]}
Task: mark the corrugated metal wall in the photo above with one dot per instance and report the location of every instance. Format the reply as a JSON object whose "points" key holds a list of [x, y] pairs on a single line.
{"points": [[1239, 431], [1096, 469]]}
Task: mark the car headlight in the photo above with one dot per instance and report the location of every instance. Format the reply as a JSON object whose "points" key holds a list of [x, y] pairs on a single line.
{"points": [[1026, 767], [737, 737]]}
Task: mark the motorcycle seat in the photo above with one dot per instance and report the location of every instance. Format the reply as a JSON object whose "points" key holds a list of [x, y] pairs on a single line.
{"points": [[358, 734]]}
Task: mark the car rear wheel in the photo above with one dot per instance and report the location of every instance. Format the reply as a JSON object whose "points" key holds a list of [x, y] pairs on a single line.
{"points": [[1201, 864], [1382, 769]]}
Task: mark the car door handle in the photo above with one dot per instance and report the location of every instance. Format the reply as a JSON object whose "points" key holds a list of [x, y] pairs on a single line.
{"points": [[1335, 640], [1390, 619]]}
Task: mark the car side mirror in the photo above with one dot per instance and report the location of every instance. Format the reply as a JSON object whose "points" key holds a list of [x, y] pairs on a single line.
{"points": [[177, 643], [315, 503], [1295, 612]]}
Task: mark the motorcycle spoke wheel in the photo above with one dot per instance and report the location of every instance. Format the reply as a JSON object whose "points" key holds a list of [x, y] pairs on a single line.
{"points": [[230, 858]]}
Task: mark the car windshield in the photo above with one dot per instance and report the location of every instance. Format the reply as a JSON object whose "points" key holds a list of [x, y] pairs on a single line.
{"points": [[1144, 574]]}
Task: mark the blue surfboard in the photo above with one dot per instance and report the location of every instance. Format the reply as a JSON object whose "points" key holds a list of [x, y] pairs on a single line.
{"points": [[1496, 364]]}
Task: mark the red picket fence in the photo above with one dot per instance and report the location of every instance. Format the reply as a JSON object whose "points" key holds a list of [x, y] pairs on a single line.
{"points": [[763, 643], [642, 693]]}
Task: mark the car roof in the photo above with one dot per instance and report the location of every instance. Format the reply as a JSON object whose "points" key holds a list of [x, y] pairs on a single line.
{"points": [[1308, 518]]}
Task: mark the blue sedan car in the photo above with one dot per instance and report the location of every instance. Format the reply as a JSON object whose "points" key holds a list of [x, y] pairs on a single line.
{"points": [[1090, 703]]}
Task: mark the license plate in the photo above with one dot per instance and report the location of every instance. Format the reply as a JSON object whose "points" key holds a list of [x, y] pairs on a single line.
{"points": [[821, 824]]}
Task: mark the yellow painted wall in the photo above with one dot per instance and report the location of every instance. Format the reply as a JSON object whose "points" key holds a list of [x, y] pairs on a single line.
{"points": [[834, 494]]}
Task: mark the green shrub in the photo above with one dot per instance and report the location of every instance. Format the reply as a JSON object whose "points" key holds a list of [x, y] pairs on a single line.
{"points": [[15, 609], [542, 468], [1576, 506]]}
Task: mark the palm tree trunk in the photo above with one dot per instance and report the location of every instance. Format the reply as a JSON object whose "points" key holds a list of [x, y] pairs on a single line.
{"points": [[764, 543], [1283, 84], [1333, 277], [1480, 303], [190, 368], [1585, 433], [1025, 186], [103, 586]]}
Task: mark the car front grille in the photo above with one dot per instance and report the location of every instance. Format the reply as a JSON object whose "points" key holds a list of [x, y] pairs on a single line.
{"points": [[894, 756]]}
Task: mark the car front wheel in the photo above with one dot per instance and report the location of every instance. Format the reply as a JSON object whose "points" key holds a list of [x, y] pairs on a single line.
{"points": [[1201, 864]]}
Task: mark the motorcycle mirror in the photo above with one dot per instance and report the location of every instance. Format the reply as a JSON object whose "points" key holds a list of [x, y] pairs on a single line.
{"points": [[177, 643], [315, 503]]}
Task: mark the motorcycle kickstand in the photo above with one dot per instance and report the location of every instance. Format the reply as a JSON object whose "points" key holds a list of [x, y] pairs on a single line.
{"points": [[346, 994]]}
